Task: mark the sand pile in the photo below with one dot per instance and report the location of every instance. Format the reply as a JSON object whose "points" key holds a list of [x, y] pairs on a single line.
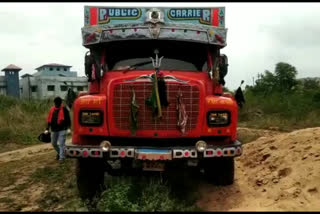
{"points": [[275, 173]]}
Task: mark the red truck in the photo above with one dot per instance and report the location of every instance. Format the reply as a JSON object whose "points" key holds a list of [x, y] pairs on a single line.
{"points": [[155, 95]]}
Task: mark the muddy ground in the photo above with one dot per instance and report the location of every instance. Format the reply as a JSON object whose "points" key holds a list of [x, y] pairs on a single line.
{"points": [[277, 172]]}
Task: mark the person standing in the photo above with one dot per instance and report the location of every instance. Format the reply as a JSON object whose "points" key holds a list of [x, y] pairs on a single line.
{"points": [[59, 122]]}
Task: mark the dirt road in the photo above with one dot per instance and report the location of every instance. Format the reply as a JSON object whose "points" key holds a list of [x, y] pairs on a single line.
{"points": [[31, 179], [277, 172], [25, 153]]}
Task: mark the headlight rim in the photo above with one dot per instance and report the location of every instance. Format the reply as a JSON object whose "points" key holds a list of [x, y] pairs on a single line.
{"points": [[91, 110], [219, 125]]}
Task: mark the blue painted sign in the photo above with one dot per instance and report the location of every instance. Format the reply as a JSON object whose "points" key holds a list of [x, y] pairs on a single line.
{"points": [[114, 16], [203, 15], [105, 14]]}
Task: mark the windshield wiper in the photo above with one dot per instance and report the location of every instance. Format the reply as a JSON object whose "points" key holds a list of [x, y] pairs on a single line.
{"points": [[139, 64], [132, 67]]}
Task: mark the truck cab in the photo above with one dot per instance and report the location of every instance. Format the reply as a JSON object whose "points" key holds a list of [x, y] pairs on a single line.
{"points": [[155, 94]]}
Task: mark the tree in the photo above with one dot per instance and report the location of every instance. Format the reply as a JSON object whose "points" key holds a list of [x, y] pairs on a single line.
{"points": [[282, 80], [265, 83], [285, 76], [311, 84]]}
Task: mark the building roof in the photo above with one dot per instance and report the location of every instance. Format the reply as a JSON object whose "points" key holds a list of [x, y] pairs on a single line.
{"points": [[26, 75], [54, 65], [12, 67]]}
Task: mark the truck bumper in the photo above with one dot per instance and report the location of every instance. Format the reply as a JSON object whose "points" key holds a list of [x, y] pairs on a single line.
{"points": [[153, 153]]}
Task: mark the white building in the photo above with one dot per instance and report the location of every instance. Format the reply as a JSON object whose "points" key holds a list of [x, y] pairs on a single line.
{"points": [[51, 80]]}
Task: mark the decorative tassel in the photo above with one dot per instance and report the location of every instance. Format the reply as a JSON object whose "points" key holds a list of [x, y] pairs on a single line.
{"points": [[133, 114], [154, 100], [182, 114], [162, 91]]}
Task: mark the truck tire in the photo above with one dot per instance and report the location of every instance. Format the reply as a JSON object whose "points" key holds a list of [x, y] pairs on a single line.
{"points": [[90, 178], [220, 171]]}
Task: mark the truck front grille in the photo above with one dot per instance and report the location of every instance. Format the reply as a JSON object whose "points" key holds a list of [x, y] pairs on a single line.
{"points": [[122, 98]]}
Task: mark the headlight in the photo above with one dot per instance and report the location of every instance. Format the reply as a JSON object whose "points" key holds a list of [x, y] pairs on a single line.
{"points": [[91, 118], [218, 118]]}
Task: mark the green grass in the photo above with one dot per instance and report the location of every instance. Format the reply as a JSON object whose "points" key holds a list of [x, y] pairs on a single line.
{"points": [[21, 121], [123, 193], [144, 194], [49, 174], [286, 112]]}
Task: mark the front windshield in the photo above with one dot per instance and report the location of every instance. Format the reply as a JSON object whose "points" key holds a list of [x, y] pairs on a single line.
{"points": [[166, 64], [135, 55]]}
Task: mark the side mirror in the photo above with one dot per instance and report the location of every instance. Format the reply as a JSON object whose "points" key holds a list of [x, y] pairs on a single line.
{"points": [[88, 61], [223, 65], [223, 68], [90, 70]]}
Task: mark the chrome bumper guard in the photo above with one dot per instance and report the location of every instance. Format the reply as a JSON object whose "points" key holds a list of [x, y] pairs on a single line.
{"points": [[87, 151]]}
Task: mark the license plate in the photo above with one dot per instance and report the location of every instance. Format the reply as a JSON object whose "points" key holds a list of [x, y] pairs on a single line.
{"points": [[153, 166], [153, 154]]}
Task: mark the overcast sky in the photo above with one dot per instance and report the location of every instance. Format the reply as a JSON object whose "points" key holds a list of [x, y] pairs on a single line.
{"points": [[259, 35]]}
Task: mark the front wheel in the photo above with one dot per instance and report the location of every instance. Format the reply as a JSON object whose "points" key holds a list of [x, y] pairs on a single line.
{"points": [[220, 171], [90, 178]]}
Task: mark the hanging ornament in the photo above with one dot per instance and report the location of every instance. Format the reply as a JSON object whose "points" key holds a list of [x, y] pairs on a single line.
{"points": [[162, 90], [154, 99], [182, 114], [133, 114]]}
